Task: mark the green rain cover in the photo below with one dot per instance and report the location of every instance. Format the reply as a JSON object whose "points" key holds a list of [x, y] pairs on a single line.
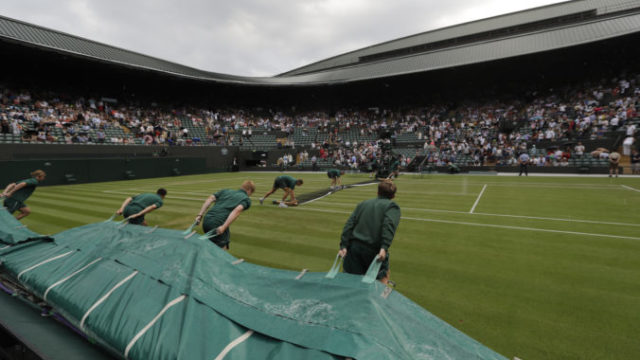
{"points": [[149, 293]]}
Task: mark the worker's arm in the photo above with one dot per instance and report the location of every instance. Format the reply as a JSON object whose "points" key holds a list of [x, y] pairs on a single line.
{"points": [[144, 211], [15, 188], [230, 219], [210, 200], [124, 205]]}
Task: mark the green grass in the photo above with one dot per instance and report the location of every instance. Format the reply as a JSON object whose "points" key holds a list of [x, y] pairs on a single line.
{"points": [[545, 268]]}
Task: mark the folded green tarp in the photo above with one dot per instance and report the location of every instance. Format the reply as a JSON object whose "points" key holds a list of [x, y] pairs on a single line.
{"points": [[13, 231], [152, 294]]}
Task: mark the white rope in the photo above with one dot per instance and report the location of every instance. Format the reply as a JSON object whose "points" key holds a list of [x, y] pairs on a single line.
{"points": [[102, 299], [69, 277], [233, 344], [43, 262], [150, 324]]}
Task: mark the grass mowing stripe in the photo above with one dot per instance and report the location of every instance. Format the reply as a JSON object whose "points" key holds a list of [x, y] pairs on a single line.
{"points": [[492, 225], [328, 202]]}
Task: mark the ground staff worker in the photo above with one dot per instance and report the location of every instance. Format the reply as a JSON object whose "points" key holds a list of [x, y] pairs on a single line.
{"points": [[135, 208], [369, 232], [336, 177], [229, 205], [17, 193], [288, 184]]}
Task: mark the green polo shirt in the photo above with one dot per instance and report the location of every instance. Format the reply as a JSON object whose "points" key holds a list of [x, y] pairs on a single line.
{"points": [[284, 181], [226, 201], [147, 199], [24, 193], [333, 173], [373, 223]]}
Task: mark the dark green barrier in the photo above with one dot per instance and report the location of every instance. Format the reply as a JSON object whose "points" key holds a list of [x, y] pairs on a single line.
{"points": [[96, 170]]}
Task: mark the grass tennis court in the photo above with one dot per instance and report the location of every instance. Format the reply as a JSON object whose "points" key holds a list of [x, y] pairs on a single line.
{"points": [[539, 268]]}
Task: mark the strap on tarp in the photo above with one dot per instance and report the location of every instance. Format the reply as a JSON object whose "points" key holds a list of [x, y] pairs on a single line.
{"points": [[112, 217], [335, 267], [209, 234], [190, 228], [372, 272]]}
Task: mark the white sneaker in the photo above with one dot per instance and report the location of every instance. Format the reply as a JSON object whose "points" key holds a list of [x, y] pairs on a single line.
{"points": [[261, 201], [283, 205]]}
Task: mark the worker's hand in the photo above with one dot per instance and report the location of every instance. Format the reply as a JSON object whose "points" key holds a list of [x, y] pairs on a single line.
{"points": [[198, 219], [119, 212], [382, 255], [342, 252], [220, 229]]}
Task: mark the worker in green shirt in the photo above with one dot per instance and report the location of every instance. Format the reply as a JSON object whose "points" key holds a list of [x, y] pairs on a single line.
{"points": [[394, 168], [369, 231], [229, 204], [336, 177], [16, 194], [288, 184], [135, 208]]}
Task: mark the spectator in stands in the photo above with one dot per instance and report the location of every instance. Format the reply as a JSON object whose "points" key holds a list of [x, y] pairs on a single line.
{"points": [[369, 232], [135, 208], [614, 159], [579, 149], [229, 204], [288, 184], [15, 194]]}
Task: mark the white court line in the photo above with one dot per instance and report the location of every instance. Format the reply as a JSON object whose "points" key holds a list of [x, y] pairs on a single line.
{"points": [[630, 188], [501, 215], [150, 324], [478, 199], [491, 225], [68, 277], [105, 297], [43, 262], [233, 344]]}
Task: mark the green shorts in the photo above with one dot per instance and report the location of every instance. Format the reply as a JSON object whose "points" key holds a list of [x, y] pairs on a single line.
{"points": [[221, 240], [131, 210], [359, 257], [13, 205]]}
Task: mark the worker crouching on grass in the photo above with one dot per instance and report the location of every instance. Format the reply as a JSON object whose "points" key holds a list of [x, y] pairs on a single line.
{"points": [[369, 232], [288, 184], [135, 208], [17, 193], [336, 177], [229, 204]]}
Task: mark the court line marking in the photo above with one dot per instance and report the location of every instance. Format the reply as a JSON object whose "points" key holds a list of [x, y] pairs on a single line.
{"points": [[501, 215], [523, 228], [478, 199], [630, 188]]}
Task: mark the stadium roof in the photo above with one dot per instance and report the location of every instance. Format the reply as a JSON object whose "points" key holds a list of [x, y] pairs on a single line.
{"points": [[526, 32]]}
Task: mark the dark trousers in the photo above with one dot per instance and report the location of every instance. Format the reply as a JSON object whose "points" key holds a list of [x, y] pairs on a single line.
{"points": [[523, 167]]}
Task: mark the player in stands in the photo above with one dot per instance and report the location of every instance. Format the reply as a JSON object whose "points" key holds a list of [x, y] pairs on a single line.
{"points": [[369, 232], [336, 177], [16, 194], [135, 208], [288, 184], [229, 204]]}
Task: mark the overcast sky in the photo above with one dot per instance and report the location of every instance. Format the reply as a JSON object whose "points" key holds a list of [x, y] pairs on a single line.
{"points": [[251, 37]]}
